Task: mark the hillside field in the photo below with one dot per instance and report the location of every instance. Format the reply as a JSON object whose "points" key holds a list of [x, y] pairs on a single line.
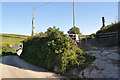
{"points": [[10, 39], [13, 39]]}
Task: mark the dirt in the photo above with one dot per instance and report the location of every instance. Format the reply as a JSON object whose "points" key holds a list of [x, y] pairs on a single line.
{"points": [[107, 58]]}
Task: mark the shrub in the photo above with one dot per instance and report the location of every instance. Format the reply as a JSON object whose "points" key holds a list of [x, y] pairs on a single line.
{"points": [[6, 50], [55, 49]]}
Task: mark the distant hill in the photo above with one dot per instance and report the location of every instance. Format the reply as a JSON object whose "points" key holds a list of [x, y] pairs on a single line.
{"points": [[13, 39], [14, 35]]}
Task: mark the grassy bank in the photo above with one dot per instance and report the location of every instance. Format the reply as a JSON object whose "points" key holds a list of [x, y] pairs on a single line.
{"points": [[10, 39], [13, 39], [6, 50]]}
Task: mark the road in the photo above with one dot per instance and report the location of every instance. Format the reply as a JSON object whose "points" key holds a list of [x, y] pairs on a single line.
{"points": [[14, 67]]}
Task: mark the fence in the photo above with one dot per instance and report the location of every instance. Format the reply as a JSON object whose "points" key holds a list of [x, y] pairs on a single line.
{"points": [[110, 38]]}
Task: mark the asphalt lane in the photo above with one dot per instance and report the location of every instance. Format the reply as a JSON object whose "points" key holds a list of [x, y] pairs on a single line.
{"points": [[15, 67]]}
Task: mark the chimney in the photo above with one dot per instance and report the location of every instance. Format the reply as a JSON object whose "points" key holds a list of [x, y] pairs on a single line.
{"points": [[103, 22]]}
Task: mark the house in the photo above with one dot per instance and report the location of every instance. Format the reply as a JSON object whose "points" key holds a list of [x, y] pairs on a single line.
{"points": [[18, 48], [74, 36]]}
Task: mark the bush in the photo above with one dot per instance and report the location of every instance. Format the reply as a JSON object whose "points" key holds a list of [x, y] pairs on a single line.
{"points": [[55, 49], [6, 50]]}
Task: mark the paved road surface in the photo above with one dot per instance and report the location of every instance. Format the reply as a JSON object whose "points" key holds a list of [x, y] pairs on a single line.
{"points": [[14, 67]]}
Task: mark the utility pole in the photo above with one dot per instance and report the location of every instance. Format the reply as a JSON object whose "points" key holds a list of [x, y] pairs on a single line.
{"points": [[73, 15], [33, 22]]}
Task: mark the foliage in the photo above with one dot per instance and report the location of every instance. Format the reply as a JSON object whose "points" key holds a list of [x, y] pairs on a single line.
{"points": [[91, 36], [109, 28], [56, 49], [0, 50], [89, 60], [6, 50], [41, 34], [74, 30], [10, 39]]}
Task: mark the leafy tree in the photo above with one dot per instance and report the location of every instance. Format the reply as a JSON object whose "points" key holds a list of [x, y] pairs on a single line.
{"points": [[50, 30], [74, 30]]}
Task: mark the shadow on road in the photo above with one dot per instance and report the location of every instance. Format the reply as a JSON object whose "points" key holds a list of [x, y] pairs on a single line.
{"points": [[18, 63], [15, 61]]}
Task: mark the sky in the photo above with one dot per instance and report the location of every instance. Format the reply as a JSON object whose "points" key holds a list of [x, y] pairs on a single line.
{"points": [[17, 16]]}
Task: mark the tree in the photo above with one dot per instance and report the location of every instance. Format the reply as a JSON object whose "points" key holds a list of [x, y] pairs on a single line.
{"points": [[50, 29], [74, 30]]}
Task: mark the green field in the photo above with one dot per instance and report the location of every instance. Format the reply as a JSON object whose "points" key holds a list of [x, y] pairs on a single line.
{"points": [[13, 39], [10, 39]]}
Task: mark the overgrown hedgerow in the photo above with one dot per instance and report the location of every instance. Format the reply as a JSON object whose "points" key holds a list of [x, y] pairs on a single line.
{"points": [[55, 49], [109, 28]]}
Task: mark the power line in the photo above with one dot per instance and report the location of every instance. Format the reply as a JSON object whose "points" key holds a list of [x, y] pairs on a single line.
{"points": [[42, 5], [33, 16]]}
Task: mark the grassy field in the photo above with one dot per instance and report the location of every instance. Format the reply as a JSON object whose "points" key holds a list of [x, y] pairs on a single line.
{"points": [[13, 39], [10, 39]]}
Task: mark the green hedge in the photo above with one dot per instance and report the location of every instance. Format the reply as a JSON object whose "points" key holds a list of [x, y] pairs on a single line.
{"points": [[53, 50]]}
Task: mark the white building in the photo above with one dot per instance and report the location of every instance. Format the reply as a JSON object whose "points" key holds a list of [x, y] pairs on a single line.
{"points": [[74, 36]]}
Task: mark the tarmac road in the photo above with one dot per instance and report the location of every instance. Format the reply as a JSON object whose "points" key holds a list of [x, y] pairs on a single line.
{"points": [[14, 67]]}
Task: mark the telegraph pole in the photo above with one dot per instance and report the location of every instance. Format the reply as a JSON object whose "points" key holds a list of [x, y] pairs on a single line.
{"points": [[33, 22], [73, 15]]}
